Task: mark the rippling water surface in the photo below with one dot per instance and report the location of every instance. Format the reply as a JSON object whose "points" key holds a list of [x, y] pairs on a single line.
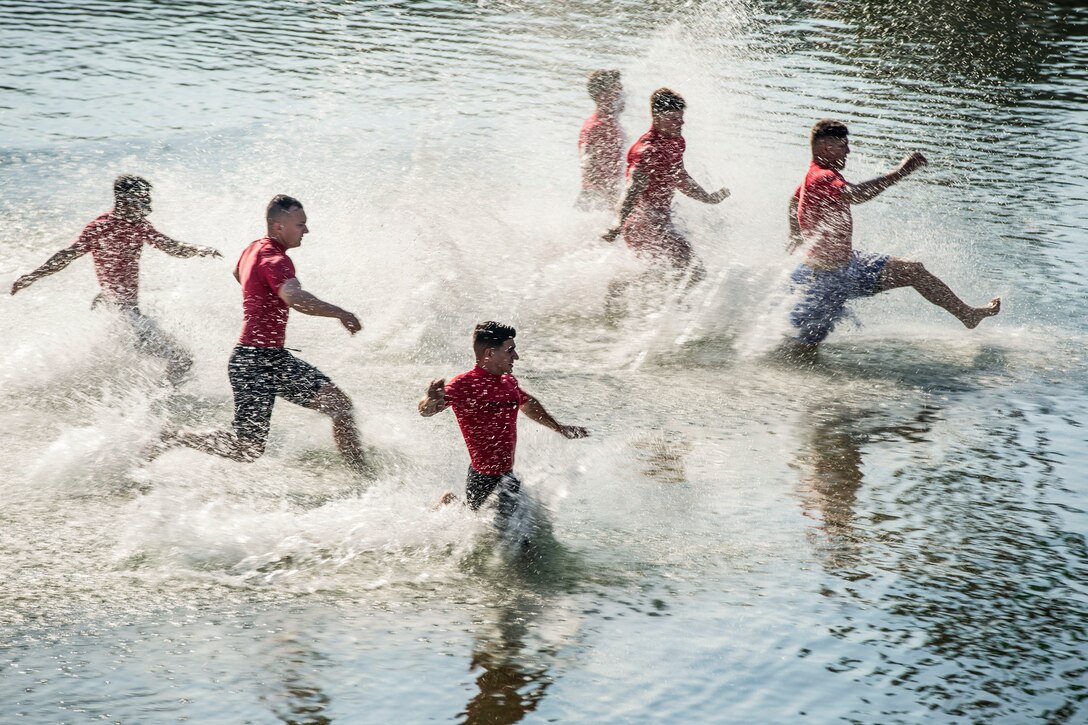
{"points": [[893, 534]]}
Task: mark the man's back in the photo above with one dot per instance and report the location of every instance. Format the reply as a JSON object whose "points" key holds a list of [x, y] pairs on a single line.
{"points": [[115, 245]]}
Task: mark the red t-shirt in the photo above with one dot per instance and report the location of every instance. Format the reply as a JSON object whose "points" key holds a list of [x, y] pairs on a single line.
{"points": [[487, 407], [115, 243], [661, 158], [604, 137], [262, 269], [824, 216]]}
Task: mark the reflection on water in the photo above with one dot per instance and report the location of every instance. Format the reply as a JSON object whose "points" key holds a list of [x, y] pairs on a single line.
{"points": [[301, 701], [522, 628], [512, 678], [951, 545], [662, 456], [832, 473]]}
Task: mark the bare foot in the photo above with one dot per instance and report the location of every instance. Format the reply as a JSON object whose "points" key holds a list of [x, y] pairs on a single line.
{"points": [[978, 314], [447, 498]]}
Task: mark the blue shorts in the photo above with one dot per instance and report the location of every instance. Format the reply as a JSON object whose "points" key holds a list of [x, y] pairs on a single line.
{"points": [[823, 294]]}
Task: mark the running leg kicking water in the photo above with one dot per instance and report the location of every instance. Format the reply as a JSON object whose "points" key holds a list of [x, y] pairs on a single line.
{"points": [[833, 272], [260, 368]]}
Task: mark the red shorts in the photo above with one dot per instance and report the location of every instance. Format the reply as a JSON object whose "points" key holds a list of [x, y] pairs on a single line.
{"points": [[653, 233]]}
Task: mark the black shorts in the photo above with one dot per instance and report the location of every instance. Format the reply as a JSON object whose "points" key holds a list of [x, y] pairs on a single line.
{"points": [[479, 486], [258, 375]]}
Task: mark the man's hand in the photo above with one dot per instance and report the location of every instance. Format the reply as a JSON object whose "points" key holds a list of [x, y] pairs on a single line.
{"points": [[21, 283], [795, 241], [573, 431], [351, 322], [611, 234], [436, 392], [435, 399], [719, 196], [912, 163]]}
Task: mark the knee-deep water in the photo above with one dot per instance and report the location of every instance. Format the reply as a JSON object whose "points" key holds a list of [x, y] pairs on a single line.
{"points": [[892, 533]]}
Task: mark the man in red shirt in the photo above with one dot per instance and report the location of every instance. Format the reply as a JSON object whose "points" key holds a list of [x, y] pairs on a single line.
{"points": [[260, 368], [486, 401], [655, 170], [601, 142], [833, 272], [115, 241]]}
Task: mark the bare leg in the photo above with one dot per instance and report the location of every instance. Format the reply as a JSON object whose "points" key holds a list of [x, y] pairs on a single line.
{"points": [[332, 401], [678, 251], [447, 498], [154, 341], [218, 443], [904, 273]]}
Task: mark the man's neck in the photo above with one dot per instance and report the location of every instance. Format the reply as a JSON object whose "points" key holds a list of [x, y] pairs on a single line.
{"points": [[487, 369], [129, 215]]}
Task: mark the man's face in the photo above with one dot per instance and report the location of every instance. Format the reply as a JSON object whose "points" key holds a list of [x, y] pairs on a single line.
{"points": [[136, 203], [833, 152], [669, 123], [503, 357], [290, 227]]}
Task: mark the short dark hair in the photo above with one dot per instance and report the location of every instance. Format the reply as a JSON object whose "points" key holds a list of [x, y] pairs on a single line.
{"points": [[492, 334], [128, 185], [828, 128], [281, 204], [600, 82], [666, 99]]}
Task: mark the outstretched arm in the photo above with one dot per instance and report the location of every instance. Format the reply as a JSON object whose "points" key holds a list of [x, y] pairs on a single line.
{"points": [[535, 411], [635, 186], [863, 192], [795, 240], [180, 249], [434, 401], [296, 298], [56, 263], [689, 187]]}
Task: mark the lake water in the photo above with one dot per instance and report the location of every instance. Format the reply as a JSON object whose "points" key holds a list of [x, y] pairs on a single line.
{"points": [[893, 534]]}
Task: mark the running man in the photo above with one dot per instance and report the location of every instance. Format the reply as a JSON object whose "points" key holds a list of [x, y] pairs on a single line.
{"points": [[115, 241], [601, 143], [486, 401], [833, 272], [260, 368], [655, 170]]}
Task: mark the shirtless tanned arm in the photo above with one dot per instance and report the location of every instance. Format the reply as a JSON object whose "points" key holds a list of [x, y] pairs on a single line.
{"points": [[296, 298], [180, 249], [689, 187], [56, 263], [795, 239], [866, 190], [635, 186], [535, 411]]}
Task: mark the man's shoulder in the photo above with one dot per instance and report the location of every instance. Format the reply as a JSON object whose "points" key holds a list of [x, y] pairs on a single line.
{"points": [[102, 223], [267, 251], [654, 146], [822, 175], [462, 379]]}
